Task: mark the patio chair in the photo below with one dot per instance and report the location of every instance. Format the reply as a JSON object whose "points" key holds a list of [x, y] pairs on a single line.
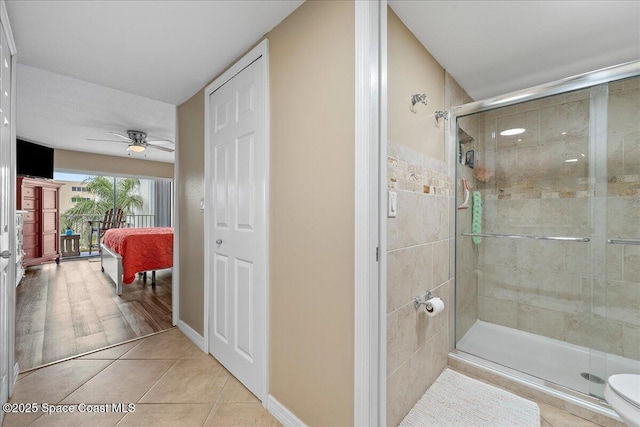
{"points": [[112, 219]]}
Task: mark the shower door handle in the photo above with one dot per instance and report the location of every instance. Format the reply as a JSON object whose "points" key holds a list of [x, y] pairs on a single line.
{"points": [[529, 236], [624, 241]]}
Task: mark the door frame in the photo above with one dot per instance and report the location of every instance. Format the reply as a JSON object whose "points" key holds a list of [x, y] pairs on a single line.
{"points": [[11, 295], [261, 50], [175, 277], [370, 226]]}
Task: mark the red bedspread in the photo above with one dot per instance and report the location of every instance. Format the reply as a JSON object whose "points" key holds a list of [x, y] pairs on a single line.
{"points": [[142, 249]]}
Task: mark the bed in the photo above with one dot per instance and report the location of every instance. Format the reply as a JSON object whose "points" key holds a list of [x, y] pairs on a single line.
{"points": [[128, 251]]}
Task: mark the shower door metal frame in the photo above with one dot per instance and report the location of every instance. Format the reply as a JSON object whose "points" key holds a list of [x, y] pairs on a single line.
{"points": [[581, 81]]}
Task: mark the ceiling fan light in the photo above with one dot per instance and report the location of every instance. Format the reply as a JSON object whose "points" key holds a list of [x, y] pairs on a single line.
{"points": [[136, 148]]}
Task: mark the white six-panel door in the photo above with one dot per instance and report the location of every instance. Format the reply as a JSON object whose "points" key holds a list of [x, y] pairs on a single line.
{"points": [[236, 160]]}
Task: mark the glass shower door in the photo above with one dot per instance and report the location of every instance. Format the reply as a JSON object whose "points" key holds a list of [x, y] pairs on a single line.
{"points": [[617, 299], [548, 245], [526, 270]]}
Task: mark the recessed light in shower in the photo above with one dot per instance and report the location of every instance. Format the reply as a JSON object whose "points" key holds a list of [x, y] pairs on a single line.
{"points": [[512, 132]]}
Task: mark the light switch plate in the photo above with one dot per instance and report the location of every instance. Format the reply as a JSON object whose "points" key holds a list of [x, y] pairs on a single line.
{"points": [[392, 210]]}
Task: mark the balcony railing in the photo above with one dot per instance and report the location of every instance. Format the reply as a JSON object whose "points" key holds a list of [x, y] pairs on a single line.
{"points": [[139, 221], [80, 225]]}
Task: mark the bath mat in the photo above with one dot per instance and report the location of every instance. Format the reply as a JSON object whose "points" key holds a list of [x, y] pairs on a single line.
{"points": [[455, 400]]}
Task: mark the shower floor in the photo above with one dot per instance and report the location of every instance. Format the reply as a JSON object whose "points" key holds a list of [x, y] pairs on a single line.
{"points": [[549, 359]]}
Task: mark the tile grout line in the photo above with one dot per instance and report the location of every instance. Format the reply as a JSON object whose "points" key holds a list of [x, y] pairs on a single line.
{"points": [[93, 376], [89, 379], [417, 350], [161, 376], [215, 404], [158, 380], [70, 393]]}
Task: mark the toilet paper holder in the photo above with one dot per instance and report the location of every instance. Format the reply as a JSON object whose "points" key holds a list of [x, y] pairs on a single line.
{"points": [[417, 301]]}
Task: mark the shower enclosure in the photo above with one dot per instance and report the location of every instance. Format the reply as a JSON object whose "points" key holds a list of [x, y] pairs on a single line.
{"points": [[548, 263]]}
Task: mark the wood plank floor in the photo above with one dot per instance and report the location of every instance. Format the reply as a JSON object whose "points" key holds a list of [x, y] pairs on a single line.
{"points": [[66, 310]]}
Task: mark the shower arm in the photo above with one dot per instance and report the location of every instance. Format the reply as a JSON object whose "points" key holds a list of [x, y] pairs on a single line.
{"points": [[441, 115], [418, 97]]}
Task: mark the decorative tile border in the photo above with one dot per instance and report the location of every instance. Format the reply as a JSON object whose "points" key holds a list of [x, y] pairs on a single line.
{"points": [[411, 171], [618, 186]]}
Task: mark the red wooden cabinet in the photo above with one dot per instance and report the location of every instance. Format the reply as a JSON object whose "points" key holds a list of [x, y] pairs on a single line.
{"points": [[41, 199]]}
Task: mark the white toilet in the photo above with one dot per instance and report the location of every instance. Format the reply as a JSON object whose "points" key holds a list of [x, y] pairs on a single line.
{"points": [[623, 394]]}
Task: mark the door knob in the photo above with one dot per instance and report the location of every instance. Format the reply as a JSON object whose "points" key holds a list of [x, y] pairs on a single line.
{"points": [[219, 241], [5, 254]]}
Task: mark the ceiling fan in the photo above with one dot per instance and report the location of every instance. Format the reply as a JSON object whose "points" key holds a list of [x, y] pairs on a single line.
{"points": [[136, 141]]}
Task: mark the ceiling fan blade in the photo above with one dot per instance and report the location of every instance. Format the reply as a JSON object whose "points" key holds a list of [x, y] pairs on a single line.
{"points": [[108, 140], [121, 136], [160, 140], [157, 147]]}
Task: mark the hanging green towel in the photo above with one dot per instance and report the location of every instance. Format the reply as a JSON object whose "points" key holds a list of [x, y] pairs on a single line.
{"points": [[476, 217]]}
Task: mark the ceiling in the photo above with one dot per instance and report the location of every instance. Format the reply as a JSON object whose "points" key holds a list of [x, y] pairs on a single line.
{"points": [[163, 50], [62, 112], [90, 67], [495, 47]]}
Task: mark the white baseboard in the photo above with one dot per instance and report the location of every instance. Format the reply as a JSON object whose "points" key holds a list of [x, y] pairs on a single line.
{"points": [[192, 335], [282, 414]]}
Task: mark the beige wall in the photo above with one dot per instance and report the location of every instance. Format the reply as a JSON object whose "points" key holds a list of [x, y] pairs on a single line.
{"points": [[312, 66], [312, 89], [412, 70], [189, 191], [420, 237], [110, 165]]}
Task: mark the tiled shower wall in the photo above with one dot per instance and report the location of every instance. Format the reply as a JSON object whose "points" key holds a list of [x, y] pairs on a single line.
{"points": [[418, 259], [546, 287]]}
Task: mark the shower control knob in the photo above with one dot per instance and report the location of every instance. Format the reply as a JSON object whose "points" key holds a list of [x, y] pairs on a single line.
{"points": [[219, 241]]}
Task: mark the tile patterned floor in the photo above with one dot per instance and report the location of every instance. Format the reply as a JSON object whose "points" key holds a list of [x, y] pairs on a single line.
{"points": [[171, 382], [551, 416]]}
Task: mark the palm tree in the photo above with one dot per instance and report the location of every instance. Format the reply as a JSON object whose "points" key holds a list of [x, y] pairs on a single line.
{"points": [[127, 199], [127, 196]]}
